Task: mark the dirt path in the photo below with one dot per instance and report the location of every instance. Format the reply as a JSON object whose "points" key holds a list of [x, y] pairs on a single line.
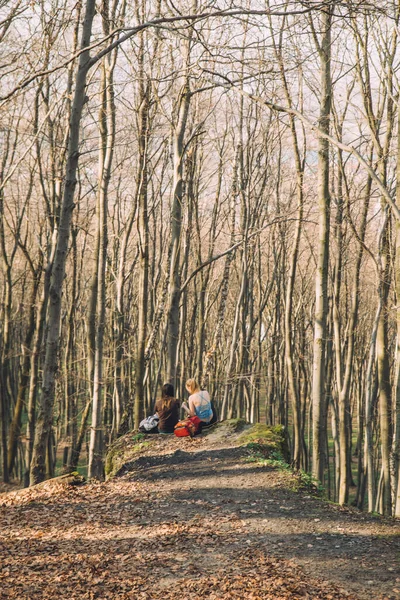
{"points": [[192, 520]]}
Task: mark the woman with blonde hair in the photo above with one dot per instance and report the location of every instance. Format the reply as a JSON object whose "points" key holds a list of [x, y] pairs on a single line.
{"points": [[199, 402]]}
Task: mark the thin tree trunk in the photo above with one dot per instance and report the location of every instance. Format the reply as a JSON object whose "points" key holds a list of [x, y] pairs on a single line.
{"points": [[143, 234], [176, 227], [345, 380], [25, 375], [369, 404], [209, 364], [106, 151]]}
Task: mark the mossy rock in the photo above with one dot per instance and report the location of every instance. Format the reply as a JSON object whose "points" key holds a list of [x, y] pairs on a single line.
{"points": [[123, 450], [268, 438]]}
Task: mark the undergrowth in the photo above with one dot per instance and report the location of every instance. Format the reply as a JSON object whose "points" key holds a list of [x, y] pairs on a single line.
{"points": [[264, 455], [123, 449], [138, 437]]}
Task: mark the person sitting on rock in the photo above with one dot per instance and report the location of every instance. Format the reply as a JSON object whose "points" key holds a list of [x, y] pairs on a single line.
{"points": [[167, 408], [199, 403]]}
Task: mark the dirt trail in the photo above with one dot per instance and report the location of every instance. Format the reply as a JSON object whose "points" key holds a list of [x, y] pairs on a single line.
{"points": [[194, 520]]}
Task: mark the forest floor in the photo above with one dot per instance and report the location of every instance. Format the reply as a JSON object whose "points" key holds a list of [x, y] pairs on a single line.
{"points": [[193, 519]]}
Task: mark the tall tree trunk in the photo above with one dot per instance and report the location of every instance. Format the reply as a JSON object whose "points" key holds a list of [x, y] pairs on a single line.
{"points": [[106, 151], [369, 413], [396, 436], [143, 235], [5, 333], [383, 368], [209, 363], [25, 374], [321, 287], [345, 380], [297, 445], [70, 362], [34, 366], [45, 414], [176, 227]]}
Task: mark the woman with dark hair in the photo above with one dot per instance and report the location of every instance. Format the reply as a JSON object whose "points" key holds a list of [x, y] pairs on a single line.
{"points": [[167, 408]]}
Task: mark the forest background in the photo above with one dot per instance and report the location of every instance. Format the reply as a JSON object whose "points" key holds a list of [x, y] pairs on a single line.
{"points": [[202, 189]]}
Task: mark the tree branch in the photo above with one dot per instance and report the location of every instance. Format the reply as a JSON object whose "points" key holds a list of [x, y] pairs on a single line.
{"points": [[335, 142], [132, 31], [231, 249]]}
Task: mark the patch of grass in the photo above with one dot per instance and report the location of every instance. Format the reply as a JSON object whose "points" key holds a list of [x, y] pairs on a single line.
{"points": [[138, 437], [305, 482], [268, 456], [272, 439]]}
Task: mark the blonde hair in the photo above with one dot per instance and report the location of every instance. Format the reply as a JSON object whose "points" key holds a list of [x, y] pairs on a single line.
{"points": [[192, 386]]}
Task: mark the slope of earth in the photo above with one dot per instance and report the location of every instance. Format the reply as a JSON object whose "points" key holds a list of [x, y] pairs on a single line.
{"points": [[192, 519]]}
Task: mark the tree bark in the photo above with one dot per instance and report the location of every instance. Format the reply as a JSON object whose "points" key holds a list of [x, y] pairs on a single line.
{"points": [[321, 303], [176, 227], [106, 152], [45, 414], [143, 235]]}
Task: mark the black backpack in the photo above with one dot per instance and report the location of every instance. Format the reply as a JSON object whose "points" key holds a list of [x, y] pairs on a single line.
{"points": [[214, 417]]}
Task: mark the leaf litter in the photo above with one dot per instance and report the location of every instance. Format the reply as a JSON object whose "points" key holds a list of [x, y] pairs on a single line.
{"points": [[173, 530]]}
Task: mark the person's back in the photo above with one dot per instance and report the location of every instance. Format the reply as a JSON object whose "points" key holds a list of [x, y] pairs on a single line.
{"points": [[167, 408], [202, 405], [199, 402]]}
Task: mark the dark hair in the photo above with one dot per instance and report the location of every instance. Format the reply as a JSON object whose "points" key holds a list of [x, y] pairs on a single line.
{"points": [[167, 394], [167, 390]]}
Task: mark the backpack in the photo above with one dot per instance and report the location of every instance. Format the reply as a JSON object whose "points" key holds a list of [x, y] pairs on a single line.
{"points": [[214, 418], [188, 427], [149, 424]]}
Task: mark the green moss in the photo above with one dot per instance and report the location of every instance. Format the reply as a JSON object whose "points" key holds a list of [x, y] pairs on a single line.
{"points": [[262, 432], [268, 442]]}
